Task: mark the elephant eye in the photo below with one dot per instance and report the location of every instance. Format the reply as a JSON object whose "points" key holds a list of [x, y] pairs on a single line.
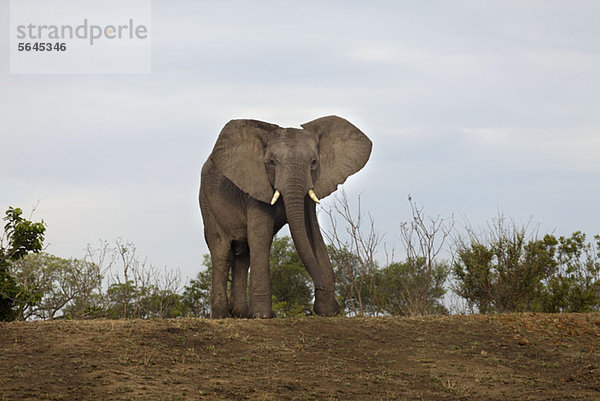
{"points": [[313, 163], [270, 162]]}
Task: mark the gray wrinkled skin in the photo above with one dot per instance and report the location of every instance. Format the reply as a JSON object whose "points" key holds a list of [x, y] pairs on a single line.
{"points": [[250, 160]]}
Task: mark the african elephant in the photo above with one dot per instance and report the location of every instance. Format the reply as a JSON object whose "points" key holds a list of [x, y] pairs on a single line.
{"points": [[252, 164]]}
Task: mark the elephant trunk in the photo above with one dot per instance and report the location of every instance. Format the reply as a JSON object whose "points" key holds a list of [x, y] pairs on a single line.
{"points": [[294, 209], [313, 252]]}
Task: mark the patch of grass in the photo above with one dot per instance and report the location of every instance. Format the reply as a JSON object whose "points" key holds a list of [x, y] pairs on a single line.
{"points": [[451, 387]]}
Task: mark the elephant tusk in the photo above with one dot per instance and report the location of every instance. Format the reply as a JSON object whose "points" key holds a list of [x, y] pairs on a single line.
{"points": [[275, 197], [312, 195]]}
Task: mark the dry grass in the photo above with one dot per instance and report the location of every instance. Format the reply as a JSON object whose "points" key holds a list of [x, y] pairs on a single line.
{"points": [[524, 356]]}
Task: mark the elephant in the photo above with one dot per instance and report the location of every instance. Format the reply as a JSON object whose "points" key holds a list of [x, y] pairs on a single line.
{"points": [[252, 165]]}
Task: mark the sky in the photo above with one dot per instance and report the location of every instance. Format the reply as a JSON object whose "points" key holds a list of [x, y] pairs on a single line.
{"points": [[474, 109]]}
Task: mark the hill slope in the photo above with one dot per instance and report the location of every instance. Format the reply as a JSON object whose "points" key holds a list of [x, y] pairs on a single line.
{"points": [[537, 357]]}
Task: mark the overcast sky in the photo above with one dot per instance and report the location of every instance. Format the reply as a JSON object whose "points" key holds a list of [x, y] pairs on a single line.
{"points": [[473, 108]]}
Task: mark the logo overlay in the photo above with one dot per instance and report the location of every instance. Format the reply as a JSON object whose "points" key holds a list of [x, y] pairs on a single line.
{"points": [[80, 37]]}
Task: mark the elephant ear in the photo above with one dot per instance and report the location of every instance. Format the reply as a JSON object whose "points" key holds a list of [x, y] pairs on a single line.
{"points": [[343, 150], [240, 156]]}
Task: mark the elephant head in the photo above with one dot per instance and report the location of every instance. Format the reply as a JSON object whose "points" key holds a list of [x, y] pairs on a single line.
{"points": [[267, 161]]}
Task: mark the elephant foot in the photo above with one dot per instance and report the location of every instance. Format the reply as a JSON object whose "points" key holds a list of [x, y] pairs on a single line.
{"points": [[264, 313], [325, 303], [219, 311], [239, 311]]}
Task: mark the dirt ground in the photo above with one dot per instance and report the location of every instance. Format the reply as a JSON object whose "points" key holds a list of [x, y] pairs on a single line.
{"points": [[501, 357]]}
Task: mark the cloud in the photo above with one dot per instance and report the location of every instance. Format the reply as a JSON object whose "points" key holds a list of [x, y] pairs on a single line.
{"points": [[539, 149], [470, 107]]}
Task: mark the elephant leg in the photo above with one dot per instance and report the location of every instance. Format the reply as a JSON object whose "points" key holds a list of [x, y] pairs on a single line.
{"points": [[239, 283], [325, 302], [221, 256], [260, 237]]}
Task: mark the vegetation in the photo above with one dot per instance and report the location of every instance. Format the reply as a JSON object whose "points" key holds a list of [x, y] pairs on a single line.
{"points": [[504, 269], [59, 285], [511, 271], [401, 282], [49, 287], [20, 237], [414, 287]]}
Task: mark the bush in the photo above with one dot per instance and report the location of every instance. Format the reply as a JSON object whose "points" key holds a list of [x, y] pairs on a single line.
{"points": [[20, 237], [512, 271], [574, 285], [409, 288]]}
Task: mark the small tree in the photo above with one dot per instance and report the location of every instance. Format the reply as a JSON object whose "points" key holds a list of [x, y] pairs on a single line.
{"points": [[505, 272], [474, 276], [414, 287], [56, 282], [574, 286], [418, 283], [402, 286], [133, 287], [352, 251], [20, 237], [350, 277]]}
